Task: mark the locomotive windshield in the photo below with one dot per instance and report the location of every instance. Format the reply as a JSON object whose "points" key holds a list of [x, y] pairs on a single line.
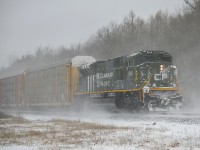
{"points": [[145, 72], [145, 58], [157, 58]]}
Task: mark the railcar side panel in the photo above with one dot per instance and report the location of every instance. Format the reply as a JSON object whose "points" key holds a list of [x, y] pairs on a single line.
{"points": [[74, 80], [68, 82], [46, 86], [1, 92], [8, 91], [16, 90]]}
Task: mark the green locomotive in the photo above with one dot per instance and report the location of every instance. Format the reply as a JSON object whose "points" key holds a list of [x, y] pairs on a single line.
{"points": [[145, 79]]}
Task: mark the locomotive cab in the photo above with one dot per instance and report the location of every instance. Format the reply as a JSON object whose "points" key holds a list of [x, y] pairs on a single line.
{"points": [[158, 80]]}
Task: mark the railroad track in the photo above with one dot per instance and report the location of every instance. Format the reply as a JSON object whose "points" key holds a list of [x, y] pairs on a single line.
{"points": [[106, 111]]}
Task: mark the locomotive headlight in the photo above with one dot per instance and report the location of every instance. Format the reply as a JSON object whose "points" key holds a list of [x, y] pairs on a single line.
{"points": [[161, 67]]}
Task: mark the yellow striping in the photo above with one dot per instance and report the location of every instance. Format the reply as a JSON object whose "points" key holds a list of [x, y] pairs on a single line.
{"points": [[109, 91], [130, 90], [164, 89]]}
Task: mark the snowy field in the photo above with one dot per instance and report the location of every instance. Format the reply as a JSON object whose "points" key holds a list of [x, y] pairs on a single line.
{"points": [[98, 127]]}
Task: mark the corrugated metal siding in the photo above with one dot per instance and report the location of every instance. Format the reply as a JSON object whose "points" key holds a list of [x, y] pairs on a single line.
{"points": [[46, 86], [11, 91], [8, 91], [0, 92]]}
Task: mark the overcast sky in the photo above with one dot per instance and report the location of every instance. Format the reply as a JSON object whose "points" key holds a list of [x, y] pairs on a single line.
{"points": [[27, 24]]}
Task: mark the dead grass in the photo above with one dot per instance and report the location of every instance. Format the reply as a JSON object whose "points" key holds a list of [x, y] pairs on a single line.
{"points": [[78, 125], [64, 134]]}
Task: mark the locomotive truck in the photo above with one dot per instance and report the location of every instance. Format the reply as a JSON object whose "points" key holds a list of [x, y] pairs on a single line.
{"points": [[146, 79]]}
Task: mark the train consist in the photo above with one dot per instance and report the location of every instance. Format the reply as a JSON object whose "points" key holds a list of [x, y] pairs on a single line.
{"points": [[146, 79]]}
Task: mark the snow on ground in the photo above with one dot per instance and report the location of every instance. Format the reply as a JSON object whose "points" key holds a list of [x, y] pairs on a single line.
{"points": [[96, 128]]}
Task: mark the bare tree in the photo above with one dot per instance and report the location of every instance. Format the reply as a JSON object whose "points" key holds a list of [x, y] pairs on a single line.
{"points": [[193, 11]]}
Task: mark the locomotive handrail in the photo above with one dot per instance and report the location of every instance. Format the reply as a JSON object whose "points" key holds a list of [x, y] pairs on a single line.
{"points": [[141, 92], [146, 81]]}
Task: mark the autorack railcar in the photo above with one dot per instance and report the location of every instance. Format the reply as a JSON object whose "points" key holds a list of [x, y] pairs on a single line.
{"points": [[49, 85]]}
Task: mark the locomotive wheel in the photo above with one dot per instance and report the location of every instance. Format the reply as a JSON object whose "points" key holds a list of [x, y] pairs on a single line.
{"points": [[119, 102]]}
